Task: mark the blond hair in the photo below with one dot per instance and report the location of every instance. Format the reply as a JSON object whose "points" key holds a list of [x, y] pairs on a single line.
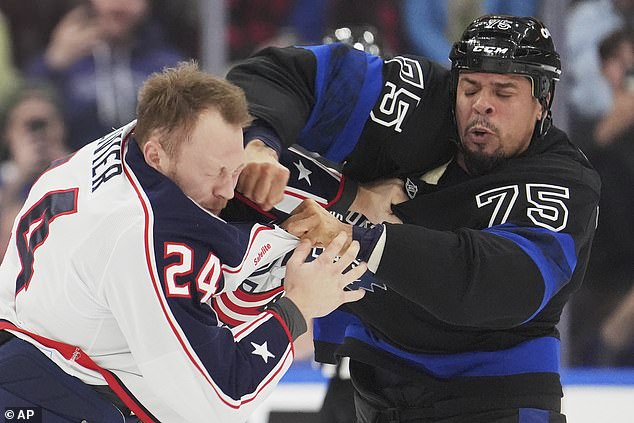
{"points": [[170, 102]]}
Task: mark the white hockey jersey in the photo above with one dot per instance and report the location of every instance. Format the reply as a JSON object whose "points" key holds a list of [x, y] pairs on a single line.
{"points": [[108, 258]]}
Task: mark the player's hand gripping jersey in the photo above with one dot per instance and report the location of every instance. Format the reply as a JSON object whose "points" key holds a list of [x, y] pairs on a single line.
{"points": [[117, 266], [311, 177]]}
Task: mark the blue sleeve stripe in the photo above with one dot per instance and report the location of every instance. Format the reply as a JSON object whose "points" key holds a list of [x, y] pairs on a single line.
{"points": [[337, 133], [533, 415], [322, 54], [368, 95], [532, 356], [332, 327], [552, 252]]}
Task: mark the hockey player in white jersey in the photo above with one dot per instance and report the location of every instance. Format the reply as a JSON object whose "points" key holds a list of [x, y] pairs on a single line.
{"points": [[106, 284]]}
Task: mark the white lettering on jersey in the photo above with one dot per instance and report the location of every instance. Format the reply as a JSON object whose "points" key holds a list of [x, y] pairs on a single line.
{"points": [[106, 159], [549, 211], [396, 103], [504, 198], [411, 72], [394, 107], [184, 266]]}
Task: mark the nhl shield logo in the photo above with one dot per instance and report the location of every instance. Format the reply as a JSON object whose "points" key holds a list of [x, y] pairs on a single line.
{"points": [[411, 188]]}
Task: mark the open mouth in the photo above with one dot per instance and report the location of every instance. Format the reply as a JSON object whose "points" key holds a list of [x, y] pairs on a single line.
{"points": [[480, 130], [480, 134]]}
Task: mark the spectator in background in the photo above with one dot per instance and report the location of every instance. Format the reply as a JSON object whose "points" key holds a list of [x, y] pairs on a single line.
{"points": [[430, 27], [30, 25], [7, 71], [98, 56], [33, 134], [617, 333], [616, 127], [611, 268], [590, 96]]}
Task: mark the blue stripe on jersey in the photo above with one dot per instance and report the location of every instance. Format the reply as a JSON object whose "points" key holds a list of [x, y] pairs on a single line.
{"points": [[533, 415], [535, 355], [553, 253], [332, 327], [344, 97]]}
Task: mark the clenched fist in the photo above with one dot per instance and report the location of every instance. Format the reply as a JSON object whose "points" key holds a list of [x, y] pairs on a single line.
{"points": [[263, 179]]}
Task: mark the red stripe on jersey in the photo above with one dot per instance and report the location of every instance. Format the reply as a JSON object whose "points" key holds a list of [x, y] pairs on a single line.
{"points": [[224, 318], [257, 296], [245, 312], [252, 310], [286, 329], [229, 321], [249, 326], [339, 192], [76, 354], [251, 204]]}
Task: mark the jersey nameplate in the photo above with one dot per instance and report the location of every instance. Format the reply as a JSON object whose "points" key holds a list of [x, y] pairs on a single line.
{"points": [[106, 161]]}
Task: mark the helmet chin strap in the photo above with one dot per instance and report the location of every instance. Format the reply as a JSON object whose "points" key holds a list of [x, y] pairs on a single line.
{"points": [[544, 124]]}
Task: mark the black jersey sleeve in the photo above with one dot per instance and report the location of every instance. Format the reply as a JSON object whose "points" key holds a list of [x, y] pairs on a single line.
{"points": [[279, 85], [466, 278], [382, 118]]}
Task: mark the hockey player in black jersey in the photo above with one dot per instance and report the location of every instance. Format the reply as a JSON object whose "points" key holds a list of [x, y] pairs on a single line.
{"points": [[497, 232]]}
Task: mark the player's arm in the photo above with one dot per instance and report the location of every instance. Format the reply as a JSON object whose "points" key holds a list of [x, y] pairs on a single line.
{"points": [[306, 96], [202, 370], [497, 277], [278, 84], [527, 252]]}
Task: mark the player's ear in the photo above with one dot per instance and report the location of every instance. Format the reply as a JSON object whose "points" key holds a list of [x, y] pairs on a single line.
{"points": [[154, 154]]}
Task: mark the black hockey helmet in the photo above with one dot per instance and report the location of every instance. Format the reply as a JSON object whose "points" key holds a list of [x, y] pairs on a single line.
{"points": [[510, 44]]}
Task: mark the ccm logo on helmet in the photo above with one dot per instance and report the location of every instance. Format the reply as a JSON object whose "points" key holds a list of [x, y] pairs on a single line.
{"points": [[490, 49]]}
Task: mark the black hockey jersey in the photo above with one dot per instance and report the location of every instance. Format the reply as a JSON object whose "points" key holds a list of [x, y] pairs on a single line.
{"points": [[479, 275], [470, 289], [473, 285]]}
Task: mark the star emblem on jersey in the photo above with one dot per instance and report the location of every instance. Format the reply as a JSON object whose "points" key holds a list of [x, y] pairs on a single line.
{"points": [[303, 172], [262, 351]]}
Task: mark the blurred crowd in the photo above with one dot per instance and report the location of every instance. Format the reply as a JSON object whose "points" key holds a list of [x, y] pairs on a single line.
{"points": [[70, 70]]}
